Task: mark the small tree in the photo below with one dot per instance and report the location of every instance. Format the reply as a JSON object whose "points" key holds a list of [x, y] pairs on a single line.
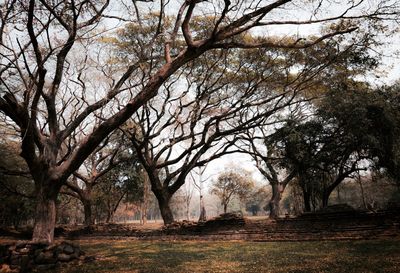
{"points": [[230, 184]]}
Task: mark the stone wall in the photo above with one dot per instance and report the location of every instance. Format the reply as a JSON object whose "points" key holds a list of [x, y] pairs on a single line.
{"points": [[27, 256]]}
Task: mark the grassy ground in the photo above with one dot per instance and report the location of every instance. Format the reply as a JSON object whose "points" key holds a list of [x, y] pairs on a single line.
{"points": [[327, 256]]}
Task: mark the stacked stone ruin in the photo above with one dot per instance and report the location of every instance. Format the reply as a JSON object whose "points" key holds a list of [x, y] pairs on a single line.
{"points": [[27, 256]]}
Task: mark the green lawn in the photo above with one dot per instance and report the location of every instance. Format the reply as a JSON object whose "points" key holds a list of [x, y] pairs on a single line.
{"points": [[327, 256]]}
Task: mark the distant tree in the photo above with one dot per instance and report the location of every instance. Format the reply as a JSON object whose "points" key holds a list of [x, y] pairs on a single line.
{"points": [[112, 152], [256, 200], [234, 183], [322, 155], [123, 183], [198, 179]]}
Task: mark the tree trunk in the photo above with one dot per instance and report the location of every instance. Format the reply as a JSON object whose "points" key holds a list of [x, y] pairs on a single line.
{"points": [[166, 212], [325, 196], [307, 201], [203, 216], [45, 219], [225, 207], [275, 200], [145, 204], [87, 208], [143, 214], [325, 199], [362, 192], [110, 217], [163, 198]]}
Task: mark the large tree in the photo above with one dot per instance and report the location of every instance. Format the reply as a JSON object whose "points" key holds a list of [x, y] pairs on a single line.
{"points": [[54, 79]]}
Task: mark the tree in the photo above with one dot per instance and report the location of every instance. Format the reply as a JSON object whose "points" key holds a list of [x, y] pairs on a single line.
{"points": [[225, 93], [269, 164], [107, 156], [262, 142], [52, 65], [122, 183], [369, 116], [230, 184], [256, 200], [198, 183], [322, 154]]}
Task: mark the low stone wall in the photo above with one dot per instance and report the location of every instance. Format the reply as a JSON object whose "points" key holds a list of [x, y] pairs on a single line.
{"points": [[27, 256]]}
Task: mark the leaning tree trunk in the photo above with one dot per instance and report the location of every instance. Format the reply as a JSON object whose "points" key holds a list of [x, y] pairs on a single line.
{"points": [[275, 200], [163, 198]]}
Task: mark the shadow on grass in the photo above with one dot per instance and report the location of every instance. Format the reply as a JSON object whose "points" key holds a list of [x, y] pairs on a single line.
{"points": [[168, 257]]}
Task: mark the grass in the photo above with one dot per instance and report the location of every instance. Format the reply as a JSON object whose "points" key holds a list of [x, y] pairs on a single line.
{"points": [[117, 256]]}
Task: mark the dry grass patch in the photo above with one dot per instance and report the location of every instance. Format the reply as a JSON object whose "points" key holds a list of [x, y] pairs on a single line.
{"points": [[193, 256]]}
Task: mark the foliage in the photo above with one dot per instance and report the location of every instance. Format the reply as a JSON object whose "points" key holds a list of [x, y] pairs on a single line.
{"points": [[123, 183], [256, 200], [16, 187], [231, 184]]}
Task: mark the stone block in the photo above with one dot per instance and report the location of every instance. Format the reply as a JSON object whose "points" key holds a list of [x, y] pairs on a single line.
{"points": [[45, 258], [43, 267], [68, 249], [64, 257]]}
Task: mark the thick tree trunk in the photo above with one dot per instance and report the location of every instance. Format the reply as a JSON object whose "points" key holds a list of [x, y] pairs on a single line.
{"points": [[325, 196], [45, 219], [166, 212], [225, 207], [275, 200], [87, 208], [163, 198]]}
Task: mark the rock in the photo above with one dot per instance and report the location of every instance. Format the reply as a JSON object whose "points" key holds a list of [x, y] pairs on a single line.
{"points": [[24, 261], [64, 257], [24, 250], [45, 258], [60, 248], [37, 252], [37, 257], [42, 267], [21, 244], [74, 256], [68, 249], [15, 260], [12, 248], [51, 247]]}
